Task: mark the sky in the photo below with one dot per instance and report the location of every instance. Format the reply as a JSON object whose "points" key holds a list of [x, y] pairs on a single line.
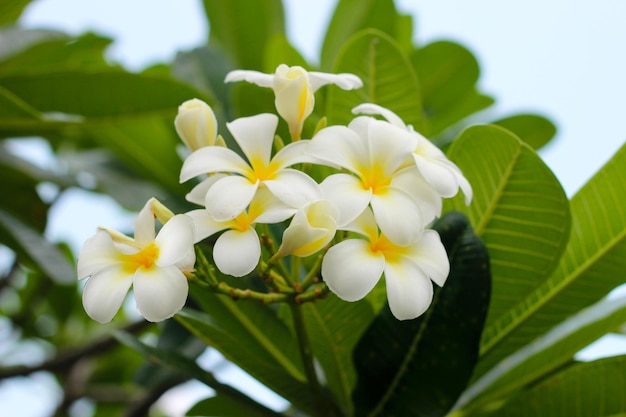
{"points": [[560, 58]]}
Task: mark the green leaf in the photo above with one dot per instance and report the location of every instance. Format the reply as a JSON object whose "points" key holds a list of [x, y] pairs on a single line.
{"points": [[448, 73], [388, 80], [251, 335], [334, 328], [520, 211], [420, 367], [545, 354], [532, 129], [586, 389], [280, 51], [222, 406], [352, 16], [242, 28], [172, 360], [10, 10], [27, 242], [591, 266]]}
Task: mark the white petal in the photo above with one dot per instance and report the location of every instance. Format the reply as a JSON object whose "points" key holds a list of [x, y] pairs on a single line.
{"points": [[312, 228], [196, 124], [294, 153], [339, 146], [351, 270], [345, 192], [267, 208], [212, 159], [229, 197], [198, 194], [105, 291], [97, 253], [411, 181], [344, 81], [375, 109], [409, 291], [175, 240], [254, 77], [255, 136], [294, 100], [237, 253], [364, 224], [430, 255], [293, 187], [398, 216], [438, 175], [389, 146], [204, 225], [160, 292], [144, 224]]}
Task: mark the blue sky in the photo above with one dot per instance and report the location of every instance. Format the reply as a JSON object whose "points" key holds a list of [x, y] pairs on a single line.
{"points": [[563, 59]]}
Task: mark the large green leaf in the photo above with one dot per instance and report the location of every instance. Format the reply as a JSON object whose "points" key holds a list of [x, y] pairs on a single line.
{"points": [[10, 10], [223, 406], [388, 79], [533, 129], [420, 367], [251, 335], [592, 265], [351, 16], [242, 28], [520, 211], [447, 73], [544, 355], [334, 328], [587, 389]]}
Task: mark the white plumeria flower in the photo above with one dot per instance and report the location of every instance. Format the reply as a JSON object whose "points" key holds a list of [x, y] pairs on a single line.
{"points": [[237, 251], [227, 197], [353, 267], [196, 125], [441, 173], [375, 151], [294, 88], [310, 230], [154, 266]]}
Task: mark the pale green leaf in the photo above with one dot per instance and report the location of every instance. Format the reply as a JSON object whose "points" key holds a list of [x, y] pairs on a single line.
{"points": [[388, 80], [533, 129]]}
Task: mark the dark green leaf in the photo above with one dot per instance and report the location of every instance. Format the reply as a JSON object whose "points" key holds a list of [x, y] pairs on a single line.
{"points": [[242, 28], [420, 367], [388, 80], [352, 16], [587, 389], [223, 406], [532, 129], [10, 10]]}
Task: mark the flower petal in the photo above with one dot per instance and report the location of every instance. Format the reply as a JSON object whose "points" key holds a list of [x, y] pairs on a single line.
{"points": [[345, 192], [196, 124], [344, 81], [175, 240], [339, 146], [430, 255], [265, 207], [160, 292], [293, 187], [438, 175], [293, 153], [229, 197], [351, 270], [389, 146], [198, 194], [409, 291], [398, 215], [204, 225], [237, 253], [212, 159], [413, 183], [374, 109], [255, 136], [254, 77], [105, 291], [144, 224], [98, 253], [312, 228]]}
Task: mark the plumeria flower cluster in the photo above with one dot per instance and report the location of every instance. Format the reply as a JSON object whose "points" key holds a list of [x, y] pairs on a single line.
{"points": [[385, 188]]}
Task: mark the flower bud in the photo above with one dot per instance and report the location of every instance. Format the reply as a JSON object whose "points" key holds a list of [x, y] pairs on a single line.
{"points": [[294, 96], [196, 124]]}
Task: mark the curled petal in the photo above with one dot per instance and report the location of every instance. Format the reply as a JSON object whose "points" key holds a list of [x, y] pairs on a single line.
{"points": [[438, 175], [237, 253], [229, 197], [398, 216], [351, 270], [198, 194], [196, 124], [344, 81], [345, 192], [175, 240], [430, 255], [411, 182], [409, 291], [212, 159], [204, 225], [160, 292], [293, 187], [144, 224], [374, 109], [294, 101], [255, 136], [97, 253], [105, 291], [254, 77], [312, 228]]}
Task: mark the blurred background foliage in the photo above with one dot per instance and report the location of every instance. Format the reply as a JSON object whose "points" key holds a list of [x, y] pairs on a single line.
{"points": [[552, 260]]}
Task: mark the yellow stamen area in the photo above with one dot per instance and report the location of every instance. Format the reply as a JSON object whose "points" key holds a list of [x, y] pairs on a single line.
{"points": [[144, 259], [242, 222], [387, 248], [261, 171], [374, 179]]}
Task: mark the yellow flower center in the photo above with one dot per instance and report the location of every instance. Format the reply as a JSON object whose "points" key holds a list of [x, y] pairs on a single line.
{"points": [[145, 258], [261, 171], [374, 179], [387, 248]]}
